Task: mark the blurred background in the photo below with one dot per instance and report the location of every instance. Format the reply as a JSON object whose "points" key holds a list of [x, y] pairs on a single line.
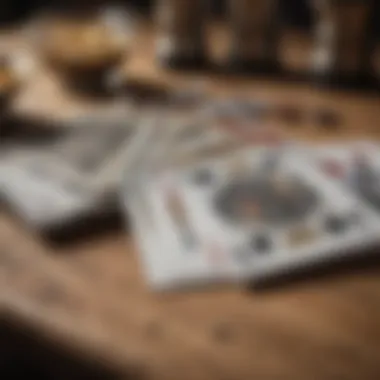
{"points": [[295, 13]]}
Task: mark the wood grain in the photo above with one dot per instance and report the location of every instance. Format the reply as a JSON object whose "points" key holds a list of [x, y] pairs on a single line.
{"points": [[93, 299]]}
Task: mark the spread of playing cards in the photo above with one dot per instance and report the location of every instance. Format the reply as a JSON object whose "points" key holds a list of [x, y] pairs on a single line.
{"points": [[190, 189], [211, 194]]}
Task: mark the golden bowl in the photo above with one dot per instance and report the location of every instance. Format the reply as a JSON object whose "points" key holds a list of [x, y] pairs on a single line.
{"points": [[83, 52]]}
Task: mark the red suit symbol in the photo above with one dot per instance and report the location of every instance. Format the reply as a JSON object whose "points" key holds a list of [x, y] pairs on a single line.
{"points": [[333, 168], [177, 211]]}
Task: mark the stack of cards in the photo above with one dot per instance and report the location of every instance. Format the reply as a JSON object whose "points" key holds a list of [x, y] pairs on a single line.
{"points": [[260, 208], [64, 185], [75, 181]]}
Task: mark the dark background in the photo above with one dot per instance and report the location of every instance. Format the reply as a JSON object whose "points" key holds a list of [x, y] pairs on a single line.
{"points": [[295, 13]]}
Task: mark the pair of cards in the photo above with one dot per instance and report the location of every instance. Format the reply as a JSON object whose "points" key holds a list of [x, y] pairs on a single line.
{"points": [[75, 181], [256, 212]]}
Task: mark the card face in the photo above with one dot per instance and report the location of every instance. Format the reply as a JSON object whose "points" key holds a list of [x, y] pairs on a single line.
{"points": [[356, 166], [186, 257], [176, 249], [255, 214], [76, 178]]}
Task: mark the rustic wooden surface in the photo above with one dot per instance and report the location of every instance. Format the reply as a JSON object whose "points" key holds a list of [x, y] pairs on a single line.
{"points": [[92, 297]]}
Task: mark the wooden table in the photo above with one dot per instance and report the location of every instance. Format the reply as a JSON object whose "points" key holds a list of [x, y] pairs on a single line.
{"points": [[92, 298]]}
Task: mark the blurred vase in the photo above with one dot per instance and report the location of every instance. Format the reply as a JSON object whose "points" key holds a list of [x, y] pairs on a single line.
{"points": [[254, 34], [181, 41], [342, 41]]}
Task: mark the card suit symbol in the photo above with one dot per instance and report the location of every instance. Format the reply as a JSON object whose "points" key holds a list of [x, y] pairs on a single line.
{"points": [[261, 244], [336, 224], [177, 210], [333, 168]]}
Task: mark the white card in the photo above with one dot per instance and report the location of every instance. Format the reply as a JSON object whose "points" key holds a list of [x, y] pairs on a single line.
{"points": [[177, 250], [263, 211], [77, 177]]}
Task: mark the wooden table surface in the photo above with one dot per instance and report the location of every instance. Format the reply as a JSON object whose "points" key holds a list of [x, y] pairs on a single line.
{"points": [[92, 297]]}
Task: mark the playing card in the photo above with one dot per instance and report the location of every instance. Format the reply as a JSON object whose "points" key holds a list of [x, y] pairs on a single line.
{"points": [[176, 248], [76, 179], [255, 214]]}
